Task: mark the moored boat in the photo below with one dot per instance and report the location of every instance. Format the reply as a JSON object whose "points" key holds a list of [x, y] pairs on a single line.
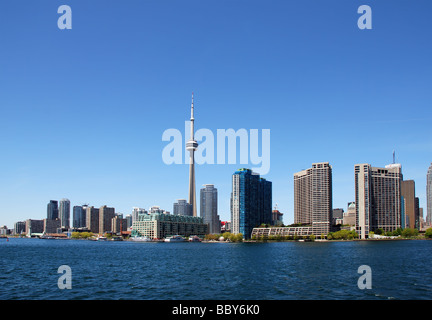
{"points": [[176, 238]]}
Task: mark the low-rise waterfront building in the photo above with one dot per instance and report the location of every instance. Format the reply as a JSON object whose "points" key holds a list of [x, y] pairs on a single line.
{"points": [[4, 231], [34, 226], [19, 227], [50, 225], [161, 225], [283, 231]]}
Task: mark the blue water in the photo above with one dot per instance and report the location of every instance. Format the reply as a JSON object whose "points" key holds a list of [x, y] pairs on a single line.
{"points": [[165, 271]]}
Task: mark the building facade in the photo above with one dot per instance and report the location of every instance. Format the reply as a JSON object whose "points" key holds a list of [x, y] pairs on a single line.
{"points": [[313, 199], [378, 198], [79, 216], [277, 217], [251, 202], [51, 226], [429, 196], [161, 225], [183, 208], [92, 219], [34, 226], [64, 213], [118, 224], [52, 210], [410, 217], [19, 227], [349, 217], [106, 214], [209, 208]]}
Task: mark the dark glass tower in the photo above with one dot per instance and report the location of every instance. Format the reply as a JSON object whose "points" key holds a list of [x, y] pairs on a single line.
{"points": [[251, 202], [79, 216], [209, 208], [52, 210]]}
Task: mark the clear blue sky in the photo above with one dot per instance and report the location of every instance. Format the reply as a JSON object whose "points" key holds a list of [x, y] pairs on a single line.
{"points": [[83, 110]]}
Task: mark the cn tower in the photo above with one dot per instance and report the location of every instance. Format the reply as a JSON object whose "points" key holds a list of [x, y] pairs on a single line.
{"points": [[191, 146]]}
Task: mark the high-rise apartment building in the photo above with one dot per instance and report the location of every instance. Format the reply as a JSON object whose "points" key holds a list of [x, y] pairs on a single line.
{"points": [[19, 227], [313, 198], [135, 212], [118, 224], [378, 198], [183, 208], [429, 196], [128, 221], [251, 202], [106, 215], [92, 219], [410, 217], [52, 210], [209, 208], [79, 216], [64, 213]]}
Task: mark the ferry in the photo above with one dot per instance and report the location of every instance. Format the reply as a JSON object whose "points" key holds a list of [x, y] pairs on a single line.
{"points": [[175, 238], [141, 239]]}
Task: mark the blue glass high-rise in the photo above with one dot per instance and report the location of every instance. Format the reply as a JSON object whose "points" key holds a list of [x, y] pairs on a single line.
{"points": [[251, 202]]}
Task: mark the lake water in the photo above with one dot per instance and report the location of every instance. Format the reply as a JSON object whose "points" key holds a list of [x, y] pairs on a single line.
{"points": [[225, 271]]}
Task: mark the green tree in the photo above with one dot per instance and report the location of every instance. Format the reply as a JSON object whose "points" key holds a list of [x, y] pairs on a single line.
{"points": [[75, 235], [239, 237], [379, 231], [428, 233], [409, 233]]}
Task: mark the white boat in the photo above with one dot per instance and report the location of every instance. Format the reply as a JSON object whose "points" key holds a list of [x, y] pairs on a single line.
{"points": [[101, 239], [194, 239], [141, 239], [175, 238]]}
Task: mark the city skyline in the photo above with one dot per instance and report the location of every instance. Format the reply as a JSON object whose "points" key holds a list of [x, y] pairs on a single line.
{"points": [[95, 136]]}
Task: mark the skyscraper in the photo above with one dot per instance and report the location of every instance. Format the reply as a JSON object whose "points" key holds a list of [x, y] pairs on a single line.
{"points": [[52, 210], [429, 196], [105, 219], [313, 198], [410, 217], [64, 213], [92, 219], [251, 202], [378, 198], [79, 216], [191, 146], [209, 208], [183, 208]]}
